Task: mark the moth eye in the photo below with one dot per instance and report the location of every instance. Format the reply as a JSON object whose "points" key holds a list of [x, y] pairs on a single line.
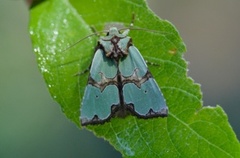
{"points": [[145, 91], [97, 96]]}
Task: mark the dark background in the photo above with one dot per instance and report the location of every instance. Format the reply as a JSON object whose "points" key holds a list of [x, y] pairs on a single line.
{"points": [[32, 124]]}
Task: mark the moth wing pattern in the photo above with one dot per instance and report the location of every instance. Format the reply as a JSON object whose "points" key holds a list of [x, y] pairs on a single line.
{"points": [[97, 101], [143, 94]]}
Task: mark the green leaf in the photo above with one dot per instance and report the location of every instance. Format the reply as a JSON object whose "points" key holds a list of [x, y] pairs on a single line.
{"points": [[190, 130]]}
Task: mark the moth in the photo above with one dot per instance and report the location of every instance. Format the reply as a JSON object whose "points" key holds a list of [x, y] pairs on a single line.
{"points": [[120, 83]]}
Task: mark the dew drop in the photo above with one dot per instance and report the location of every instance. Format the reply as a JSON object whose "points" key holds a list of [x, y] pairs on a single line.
{"points": [[31, 32], [55, 32]]}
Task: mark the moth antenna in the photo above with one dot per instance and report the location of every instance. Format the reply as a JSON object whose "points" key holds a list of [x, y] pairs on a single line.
{"points": [[95, 33], [143, 29], [131, 27]]}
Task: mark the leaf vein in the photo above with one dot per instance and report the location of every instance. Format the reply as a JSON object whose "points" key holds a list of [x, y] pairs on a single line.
{"points": [[200, 136]]}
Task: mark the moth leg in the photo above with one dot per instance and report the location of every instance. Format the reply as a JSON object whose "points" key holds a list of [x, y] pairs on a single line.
{"points": [[132, 20], [82, 72], [94, 30]]}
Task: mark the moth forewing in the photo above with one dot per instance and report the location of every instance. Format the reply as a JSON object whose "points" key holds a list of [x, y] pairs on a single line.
{"points": [[147, 99], [98, 100]]}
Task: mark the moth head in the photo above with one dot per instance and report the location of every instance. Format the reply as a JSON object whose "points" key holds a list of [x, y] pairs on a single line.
{"points": [[113, 31]]}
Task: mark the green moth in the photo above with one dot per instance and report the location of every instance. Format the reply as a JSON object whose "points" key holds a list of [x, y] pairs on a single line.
{"points": [[120, 83]]}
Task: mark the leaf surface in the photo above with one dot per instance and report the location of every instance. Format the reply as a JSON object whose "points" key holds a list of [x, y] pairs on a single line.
{"points": [[190, 130]]}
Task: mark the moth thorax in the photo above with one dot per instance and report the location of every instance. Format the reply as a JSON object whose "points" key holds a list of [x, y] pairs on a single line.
{"points": [[115, 40], [116, 52]]}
